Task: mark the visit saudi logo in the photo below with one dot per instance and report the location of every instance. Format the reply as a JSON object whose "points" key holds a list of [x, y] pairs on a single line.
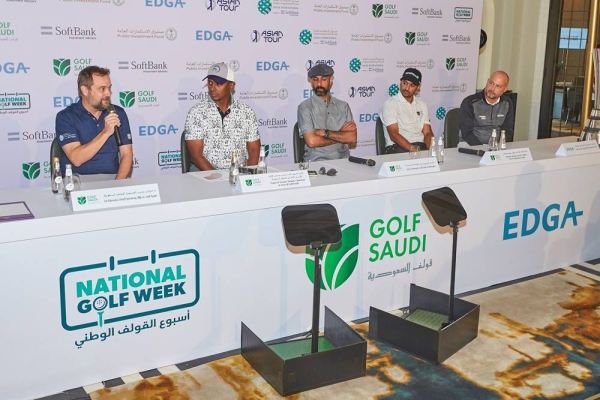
{"points": [[377, 10], [338, 261], [62, 66], [355, 65], [305, 36], [264, 6], [450, 63], [127, 99], [409, 38], [31, 170]]}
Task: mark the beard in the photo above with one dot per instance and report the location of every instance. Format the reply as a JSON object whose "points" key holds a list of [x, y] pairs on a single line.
{"points": [[320, 91], [100, 104]]}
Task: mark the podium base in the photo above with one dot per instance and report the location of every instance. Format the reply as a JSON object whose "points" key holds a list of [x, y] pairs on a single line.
{"points": [[291, 368], [426, 332]]}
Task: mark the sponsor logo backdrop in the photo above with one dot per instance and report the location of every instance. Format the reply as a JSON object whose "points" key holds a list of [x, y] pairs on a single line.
{"points": [[158, 52]]}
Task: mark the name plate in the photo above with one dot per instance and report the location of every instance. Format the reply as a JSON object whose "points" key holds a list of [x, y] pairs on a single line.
{"points": [[96, 199], [506, 156], [272, 181], [409, 167], [578, 148]]}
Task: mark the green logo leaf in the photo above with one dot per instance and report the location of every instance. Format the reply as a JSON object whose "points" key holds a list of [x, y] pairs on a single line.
{"points": [[31, 170], [450, 63], [338, 261], [266, 150], [62, 66], [392, 168], [248, 182], [409, 38], [377, 10], [82, 200], [493, 158], [127, 99]]}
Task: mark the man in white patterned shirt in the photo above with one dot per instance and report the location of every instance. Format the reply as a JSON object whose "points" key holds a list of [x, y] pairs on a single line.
{"points": [[220, 125]]}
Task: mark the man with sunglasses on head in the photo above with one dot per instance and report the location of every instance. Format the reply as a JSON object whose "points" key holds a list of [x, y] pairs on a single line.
{"points": [[481, 112], [220, 125], [406, 117], [325, 123]]}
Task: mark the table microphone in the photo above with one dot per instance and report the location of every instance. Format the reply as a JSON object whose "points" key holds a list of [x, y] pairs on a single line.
{"points": [[365, 161], [117, 134], [465, 150]]}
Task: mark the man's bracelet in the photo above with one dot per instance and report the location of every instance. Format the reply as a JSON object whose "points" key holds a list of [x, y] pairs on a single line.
{"points": [[326, 134]]}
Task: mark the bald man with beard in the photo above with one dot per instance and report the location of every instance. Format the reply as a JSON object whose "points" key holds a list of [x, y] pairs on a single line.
{"points": [[486, 110]]}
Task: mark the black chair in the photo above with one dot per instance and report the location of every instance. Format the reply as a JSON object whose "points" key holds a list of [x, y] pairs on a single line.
{"points": [[379, 137], [298, 145], [186, 160], [451, 128], [55, 150]]}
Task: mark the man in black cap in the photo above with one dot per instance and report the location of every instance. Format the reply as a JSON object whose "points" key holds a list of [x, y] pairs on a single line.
{"points": [[406, 117], [325, 123]]}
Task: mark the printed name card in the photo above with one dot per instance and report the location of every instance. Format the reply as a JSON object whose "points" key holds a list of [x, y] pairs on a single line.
{"points": [[409, 167], [506, 156], [96, 199], [578, 148], [272, 181]]}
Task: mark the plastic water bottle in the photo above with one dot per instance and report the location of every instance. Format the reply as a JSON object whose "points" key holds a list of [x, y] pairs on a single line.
{"points": [[233, 169], [262, 162], [69, 183], [56, 183], [432, 148], [440, 150], [502, 140], [493, 143]]}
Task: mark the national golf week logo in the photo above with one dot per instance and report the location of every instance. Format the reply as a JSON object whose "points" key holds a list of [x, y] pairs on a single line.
{"points": [[116, 290], [338, 261]]}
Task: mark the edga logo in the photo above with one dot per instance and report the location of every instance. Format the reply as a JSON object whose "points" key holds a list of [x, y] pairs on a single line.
{"points": [[117, 290], [355, 65], [127, 99], [31, 170], [338, 260]]}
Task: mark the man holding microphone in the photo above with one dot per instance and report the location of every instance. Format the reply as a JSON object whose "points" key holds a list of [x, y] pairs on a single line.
{"points": [[95, 135]]}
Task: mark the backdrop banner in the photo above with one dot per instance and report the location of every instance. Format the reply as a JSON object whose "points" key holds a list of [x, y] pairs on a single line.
{"points": [[158, 52]]}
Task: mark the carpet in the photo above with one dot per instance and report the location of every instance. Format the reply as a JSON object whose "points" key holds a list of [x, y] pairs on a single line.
{"points": [[537, 339]]}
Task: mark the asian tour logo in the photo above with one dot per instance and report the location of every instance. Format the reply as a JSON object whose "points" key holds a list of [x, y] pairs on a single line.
{"points": [[265, 6], [338, 260], [222, 5], [31, 170], [305, 36], [114, 290], [440, 113], [127, 99], [355, 65]]}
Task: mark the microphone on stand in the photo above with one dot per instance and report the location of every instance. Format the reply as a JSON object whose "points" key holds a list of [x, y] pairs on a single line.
{"points": [[117, 133], [474, 152], [365, 161]]}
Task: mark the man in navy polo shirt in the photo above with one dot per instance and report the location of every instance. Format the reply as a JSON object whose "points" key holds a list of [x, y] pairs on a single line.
{"points": [[85, 130]]}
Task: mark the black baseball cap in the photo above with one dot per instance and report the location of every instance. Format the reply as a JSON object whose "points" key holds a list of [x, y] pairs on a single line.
{"points": [[412, 75], [320, 70]]}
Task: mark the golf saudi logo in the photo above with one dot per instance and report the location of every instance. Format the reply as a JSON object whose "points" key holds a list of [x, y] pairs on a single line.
{"points": [[127, 98], [117, 290], [62, 66], [338, 261]]}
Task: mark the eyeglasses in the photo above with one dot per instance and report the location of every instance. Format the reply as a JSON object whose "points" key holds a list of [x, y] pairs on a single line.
{"points": [[330, 172]]}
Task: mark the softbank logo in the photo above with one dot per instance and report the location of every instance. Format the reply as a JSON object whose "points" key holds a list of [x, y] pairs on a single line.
{"points": [[338, 261]]}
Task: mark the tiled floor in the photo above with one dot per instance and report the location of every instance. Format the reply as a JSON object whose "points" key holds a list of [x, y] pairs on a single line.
{"points": [[590, 268]]}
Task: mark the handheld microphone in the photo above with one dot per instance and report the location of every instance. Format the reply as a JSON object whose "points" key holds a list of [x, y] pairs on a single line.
{"points": [[365, 161], [465, 150], [117, 133]]}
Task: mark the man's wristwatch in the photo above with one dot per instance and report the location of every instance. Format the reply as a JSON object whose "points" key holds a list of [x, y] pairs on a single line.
{"points": [[326, 134]]}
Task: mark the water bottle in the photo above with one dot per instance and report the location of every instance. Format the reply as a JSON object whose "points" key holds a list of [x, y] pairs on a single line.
{"points": [[432, 148], [56, 182], [69, 184], [502, 140], [262, 162], [493, 143], [440, 150], [233, 169]]}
